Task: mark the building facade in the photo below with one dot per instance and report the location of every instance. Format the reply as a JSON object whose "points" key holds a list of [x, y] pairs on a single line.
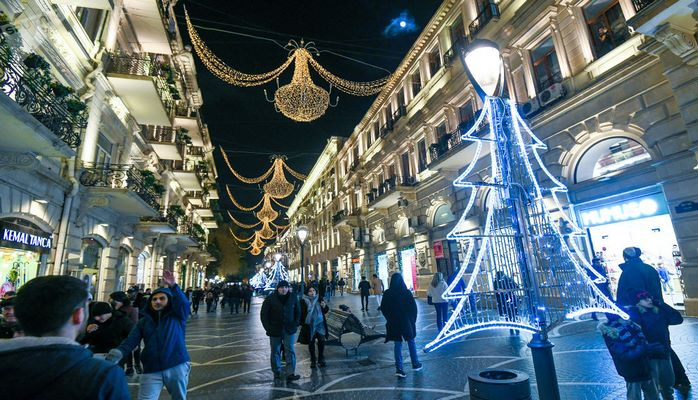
{"points": [[107, 172], [608, 85]]}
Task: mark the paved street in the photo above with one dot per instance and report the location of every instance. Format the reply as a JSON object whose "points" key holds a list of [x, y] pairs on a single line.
{"points": [[230, 360]]}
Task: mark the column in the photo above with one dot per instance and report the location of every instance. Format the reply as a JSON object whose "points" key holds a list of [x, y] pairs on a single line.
{"points": [[88, 149]]}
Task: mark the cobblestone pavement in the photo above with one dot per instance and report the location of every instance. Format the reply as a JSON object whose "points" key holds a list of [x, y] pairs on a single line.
{"points": [[230, 359]]}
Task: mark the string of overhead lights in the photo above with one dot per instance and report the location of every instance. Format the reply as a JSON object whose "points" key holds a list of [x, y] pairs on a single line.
{"points": [[242, 178], [242, 225], [238, 239], [267, 213], [238, 205], [295, 174], [347, 86], [279, 204]]}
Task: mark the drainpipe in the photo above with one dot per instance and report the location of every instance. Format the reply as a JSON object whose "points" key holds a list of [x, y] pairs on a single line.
{"points": [[58, 266]]}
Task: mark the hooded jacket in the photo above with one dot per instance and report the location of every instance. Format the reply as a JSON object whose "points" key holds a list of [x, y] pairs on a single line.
{"points": [[629, 349], [400, 311], [162, 332], [57, 368]]}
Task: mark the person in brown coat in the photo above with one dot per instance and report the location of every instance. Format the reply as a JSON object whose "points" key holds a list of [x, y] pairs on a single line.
{"points": [[377, 285]]}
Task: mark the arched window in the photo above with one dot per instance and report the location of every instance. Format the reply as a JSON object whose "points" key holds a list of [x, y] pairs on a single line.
{"points": [[609, 157], [443, 215]]}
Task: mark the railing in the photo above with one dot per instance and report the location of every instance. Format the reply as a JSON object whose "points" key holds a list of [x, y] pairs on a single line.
{"points": [[399, 113], [452, 141], [639, 5], [195, 151], [339, 216], [453, 53], [388, 186], [386, 129], [170, 217], [31, 89], [488, 13], [117, 176], [160, 134]]}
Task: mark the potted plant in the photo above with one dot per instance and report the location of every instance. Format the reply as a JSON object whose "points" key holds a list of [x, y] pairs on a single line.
{"points": [[75, 106], [177, 211], [60, 91], [35, 61]]}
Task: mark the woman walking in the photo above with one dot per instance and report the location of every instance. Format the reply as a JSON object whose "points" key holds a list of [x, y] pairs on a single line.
{"points": [[314, 326], [400, 312], [435, 295]]}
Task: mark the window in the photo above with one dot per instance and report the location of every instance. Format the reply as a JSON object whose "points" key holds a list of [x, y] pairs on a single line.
{"points": [[92, 20], [422, 149], [546, 69], [416, 79], [406, 173], [376, 130], [441, 130], [457, 31], [369, 138], [606, 24], [434, 61], [465, 112], [443, 215], [356, 153], [104, 151], [391, 171], [609, 157]]}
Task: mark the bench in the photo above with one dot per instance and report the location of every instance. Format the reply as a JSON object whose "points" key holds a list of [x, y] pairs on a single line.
{"points": [[346, 330]]}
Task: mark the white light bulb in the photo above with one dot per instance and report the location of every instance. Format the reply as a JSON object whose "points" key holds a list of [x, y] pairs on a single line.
{"points": [[485, 65]]}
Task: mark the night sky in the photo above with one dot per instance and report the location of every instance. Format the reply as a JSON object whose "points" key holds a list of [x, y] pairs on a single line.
{"points": [[244, 123]]}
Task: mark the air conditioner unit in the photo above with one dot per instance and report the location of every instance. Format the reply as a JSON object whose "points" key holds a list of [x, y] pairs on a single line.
{"points": [[529, 108], [549, 95], [402, 203]]}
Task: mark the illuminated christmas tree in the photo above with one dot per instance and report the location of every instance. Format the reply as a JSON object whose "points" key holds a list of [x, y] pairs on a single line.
{"points": [[259, 280], [522, 270], [277, 273]]}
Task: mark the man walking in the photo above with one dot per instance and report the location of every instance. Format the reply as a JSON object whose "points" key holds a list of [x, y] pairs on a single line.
{"points": [[164, 356], [377, 284], [364, 291], [48, 363], [280, 317]]}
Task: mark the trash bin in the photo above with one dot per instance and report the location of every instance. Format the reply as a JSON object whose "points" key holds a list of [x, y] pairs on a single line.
{"points": [[498, 384]]}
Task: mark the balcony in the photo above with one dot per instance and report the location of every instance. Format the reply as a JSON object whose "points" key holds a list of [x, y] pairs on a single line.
{"points": [[33, 117], [451, 55], [488, 13], [188, 173], [148, 19], [386, 129], [399, 113], [124, 187], [191, 123], [390, 191], [449, 152], [342, 218], [209, 223], [141, 82], [164, 140], [97, 4], [661, 18], [161, 223]]}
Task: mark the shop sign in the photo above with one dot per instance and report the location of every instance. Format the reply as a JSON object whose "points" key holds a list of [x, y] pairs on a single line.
{"points": [[686, 206], [438, 250], [624, 211], [24, 238]]}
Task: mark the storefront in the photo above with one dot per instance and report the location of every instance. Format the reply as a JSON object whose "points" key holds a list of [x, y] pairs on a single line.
{"points": [[382, 268], [356, 275], [408, 266], [90, 262], [641, 219], [24, 251]]}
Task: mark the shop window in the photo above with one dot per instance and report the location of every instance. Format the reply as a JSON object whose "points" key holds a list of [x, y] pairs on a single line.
{"points": [[140, 269], [607, 25], [434, 61], [90, 263], [546, 68], [443, 215], [609, 157], [416, 79]]}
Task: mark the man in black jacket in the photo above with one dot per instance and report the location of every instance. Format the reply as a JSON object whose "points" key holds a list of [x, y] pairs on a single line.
{"points": [[47, 363], [637, 276], [280, 317]]}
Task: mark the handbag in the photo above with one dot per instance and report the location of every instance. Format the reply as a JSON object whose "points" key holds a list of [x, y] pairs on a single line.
{"points": [[429, 300]]}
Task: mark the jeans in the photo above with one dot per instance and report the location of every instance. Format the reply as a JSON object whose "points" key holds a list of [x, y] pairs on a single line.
{"points": [[441, 314], [636, 389], [288, 341], [364, 302], [398, 353], [663, 376], [174, 379]]}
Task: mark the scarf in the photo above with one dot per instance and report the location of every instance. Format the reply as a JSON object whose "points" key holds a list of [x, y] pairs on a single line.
{"points": [[314, 318]]}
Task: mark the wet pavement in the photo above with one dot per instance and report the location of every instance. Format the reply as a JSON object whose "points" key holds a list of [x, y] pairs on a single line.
{"points": [[230, 359]]}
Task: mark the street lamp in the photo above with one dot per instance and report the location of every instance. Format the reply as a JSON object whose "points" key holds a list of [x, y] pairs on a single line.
{"points": [[484, 67], [302, 233], [277, 257]]}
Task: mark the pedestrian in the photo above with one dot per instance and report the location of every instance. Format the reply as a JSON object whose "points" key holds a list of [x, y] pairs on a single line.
{"points": [[377, 285], [435, 295], [165, 358], [48, 363], [603, 287], [322, 287], [9, 327], [247, 292], [106, 329], [196, 297], [216, 297], [364, 291], [314, 326], [120, 302], [341, 284], [400, 312], [655, 320], [235, 296], [507, 301], [631, 356], [280, 317], [333, 286], [209, 301]]}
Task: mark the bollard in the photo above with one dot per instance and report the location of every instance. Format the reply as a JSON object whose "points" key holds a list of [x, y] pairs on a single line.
{"points": [[498, 384]]}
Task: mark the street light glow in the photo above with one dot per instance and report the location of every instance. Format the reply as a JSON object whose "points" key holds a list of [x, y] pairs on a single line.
{"points": [[484, 66], [302, 233]]}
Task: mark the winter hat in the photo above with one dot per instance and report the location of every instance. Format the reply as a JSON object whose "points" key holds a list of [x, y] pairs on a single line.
{"points": [[121, 297], [282, 283], [632, 252], [101, 308]]}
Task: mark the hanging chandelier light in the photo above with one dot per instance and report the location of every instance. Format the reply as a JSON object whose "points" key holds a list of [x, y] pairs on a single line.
{"points": [[278, 187], [267, 213], [266, 232]]}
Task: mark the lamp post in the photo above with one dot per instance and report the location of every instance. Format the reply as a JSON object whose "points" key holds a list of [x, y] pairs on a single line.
{"points": [[302, 233], [484, 67]]}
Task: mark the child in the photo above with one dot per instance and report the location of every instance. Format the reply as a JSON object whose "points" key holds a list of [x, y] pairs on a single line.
{"points": [[630, 352], [655, 321]]}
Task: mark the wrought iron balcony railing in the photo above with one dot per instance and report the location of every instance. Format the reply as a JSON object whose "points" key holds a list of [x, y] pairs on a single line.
{"points": [[170, 217], [452, 141], [117, 176], [639, 5], [451, 56], [338, 216], [30, 88], [488, 13], [160, 134], [388, 186]]}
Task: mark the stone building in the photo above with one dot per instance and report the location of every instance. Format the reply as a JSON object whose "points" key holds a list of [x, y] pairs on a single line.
{"points": [[107, 173], [610, 86]]}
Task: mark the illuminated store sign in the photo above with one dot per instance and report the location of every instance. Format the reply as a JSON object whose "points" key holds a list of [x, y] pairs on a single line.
{"points": [[15, 236], [624, 211]]}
